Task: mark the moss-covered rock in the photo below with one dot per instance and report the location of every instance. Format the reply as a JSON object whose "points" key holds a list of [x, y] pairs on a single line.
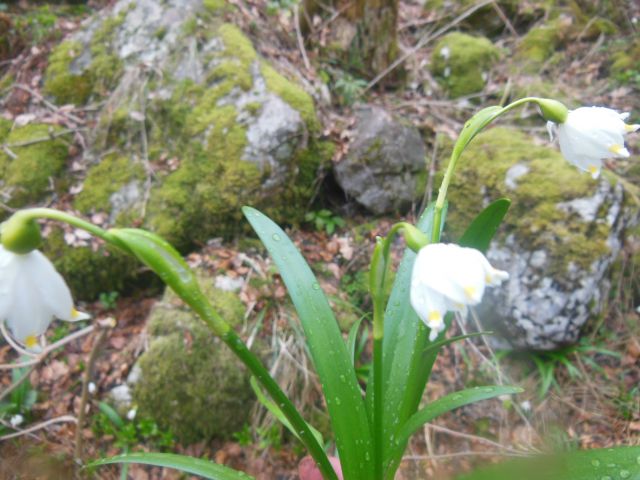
{"points": [[39, 158], [557, 241], [190, 382], [540, 43], [460, 62]]}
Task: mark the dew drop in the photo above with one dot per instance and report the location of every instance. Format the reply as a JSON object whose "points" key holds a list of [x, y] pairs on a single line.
{"points": [[315, 286], [625, 473], [595, 463], [487, 389], [457, 397], [338, 402], [276, 237]]}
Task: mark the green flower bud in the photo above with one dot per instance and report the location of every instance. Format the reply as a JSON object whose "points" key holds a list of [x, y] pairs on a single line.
{"points": [[553, 110], [20, 234], [415, 238]]}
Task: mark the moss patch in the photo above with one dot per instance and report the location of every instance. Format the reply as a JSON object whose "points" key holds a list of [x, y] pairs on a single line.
{"points": [[540, 43], [459, 61], [191, 383], [534, 216], [27, 176], [69, 85], [105, 179]]}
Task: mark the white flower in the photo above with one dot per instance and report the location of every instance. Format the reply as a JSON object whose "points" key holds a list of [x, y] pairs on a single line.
{"points": [[16, 420], [32, 293], [591, 134], [92, 388], [447, 277], [131, 414]]}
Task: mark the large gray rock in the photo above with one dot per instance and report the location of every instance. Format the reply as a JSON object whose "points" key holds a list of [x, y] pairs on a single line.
{"points": [[193, 125], [560, 237], [385, 169]]}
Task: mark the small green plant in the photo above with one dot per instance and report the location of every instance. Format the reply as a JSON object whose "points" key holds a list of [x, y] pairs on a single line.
{"points": [[108, 300], [349, 89], [17, 409], [325, 220], [129, 433]]}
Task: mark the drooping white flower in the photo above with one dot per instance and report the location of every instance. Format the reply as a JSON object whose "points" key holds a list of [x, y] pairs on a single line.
{"points": [[16, 420], [447, 277], [32, 294], [591, 134]]}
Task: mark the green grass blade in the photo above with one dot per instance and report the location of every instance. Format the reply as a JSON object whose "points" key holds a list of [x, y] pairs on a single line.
{"points": [[278, 413], [610, 463], [483, 228], [194, 466], [327, 347], [446, 404], [352, 339]]}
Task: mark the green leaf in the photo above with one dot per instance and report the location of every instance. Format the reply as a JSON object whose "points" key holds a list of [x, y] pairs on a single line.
{"points": [[194, 466], [446, 404], [278, 414], [168, 264], [473, 126], [601, 464], [483, 228], [352, 339], [405, 369], [111, 414], [327, 347]]}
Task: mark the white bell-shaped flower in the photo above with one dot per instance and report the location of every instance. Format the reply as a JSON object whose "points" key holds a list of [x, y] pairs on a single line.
{"points": [[591, 134], [32, 294], [447, 277]]}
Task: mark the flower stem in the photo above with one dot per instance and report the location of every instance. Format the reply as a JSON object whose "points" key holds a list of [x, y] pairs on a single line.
{"points": [[288, 409], [551, 109]]}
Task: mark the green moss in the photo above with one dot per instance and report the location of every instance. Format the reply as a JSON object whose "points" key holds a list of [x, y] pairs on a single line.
{"points": [[60, 82], [27, 177], [291, 93], [89, 273], [104, 179], [191, 383], [461, 70], [5, 128], [534, 215], [68, 86], [215, 6], [540, 43]]}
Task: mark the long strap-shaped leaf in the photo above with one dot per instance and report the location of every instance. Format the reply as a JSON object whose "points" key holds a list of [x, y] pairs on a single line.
{"points": [[620, 463], [327, 348], [195, 466], [405, 368], [446, 404]]}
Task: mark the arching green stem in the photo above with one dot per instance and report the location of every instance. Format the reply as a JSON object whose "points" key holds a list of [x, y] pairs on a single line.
{"points": [[551, 110]]}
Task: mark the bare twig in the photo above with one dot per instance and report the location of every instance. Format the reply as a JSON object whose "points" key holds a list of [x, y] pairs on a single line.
{"points": [[52, 136], [105, 328], [39, 426], [303, 52], [48, 104], [504, 18]]}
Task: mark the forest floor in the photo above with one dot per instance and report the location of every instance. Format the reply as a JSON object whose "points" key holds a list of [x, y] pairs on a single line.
{"points": [[583, 397]]}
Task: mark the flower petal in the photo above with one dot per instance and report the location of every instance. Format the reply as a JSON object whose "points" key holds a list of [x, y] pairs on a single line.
{"points": [[50, 285]]}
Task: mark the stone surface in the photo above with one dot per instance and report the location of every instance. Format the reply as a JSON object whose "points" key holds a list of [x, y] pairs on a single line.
{"points": [[194, 124], [560, 237], [385, 169]]}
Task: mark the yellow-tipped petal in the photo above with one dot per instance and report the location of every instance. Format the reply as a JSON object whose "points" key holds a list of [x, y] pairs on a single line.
{"points": [[435, 316], [470, 291], [77, 315], [631, 128], [31, 341], [615, 149], [594, 171]]}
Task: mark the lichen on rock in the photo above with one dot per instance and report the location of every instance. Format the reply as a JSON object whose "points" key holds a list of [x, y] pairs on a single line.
{"points": [[461, 62], [190, 382], [557, 241]]}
